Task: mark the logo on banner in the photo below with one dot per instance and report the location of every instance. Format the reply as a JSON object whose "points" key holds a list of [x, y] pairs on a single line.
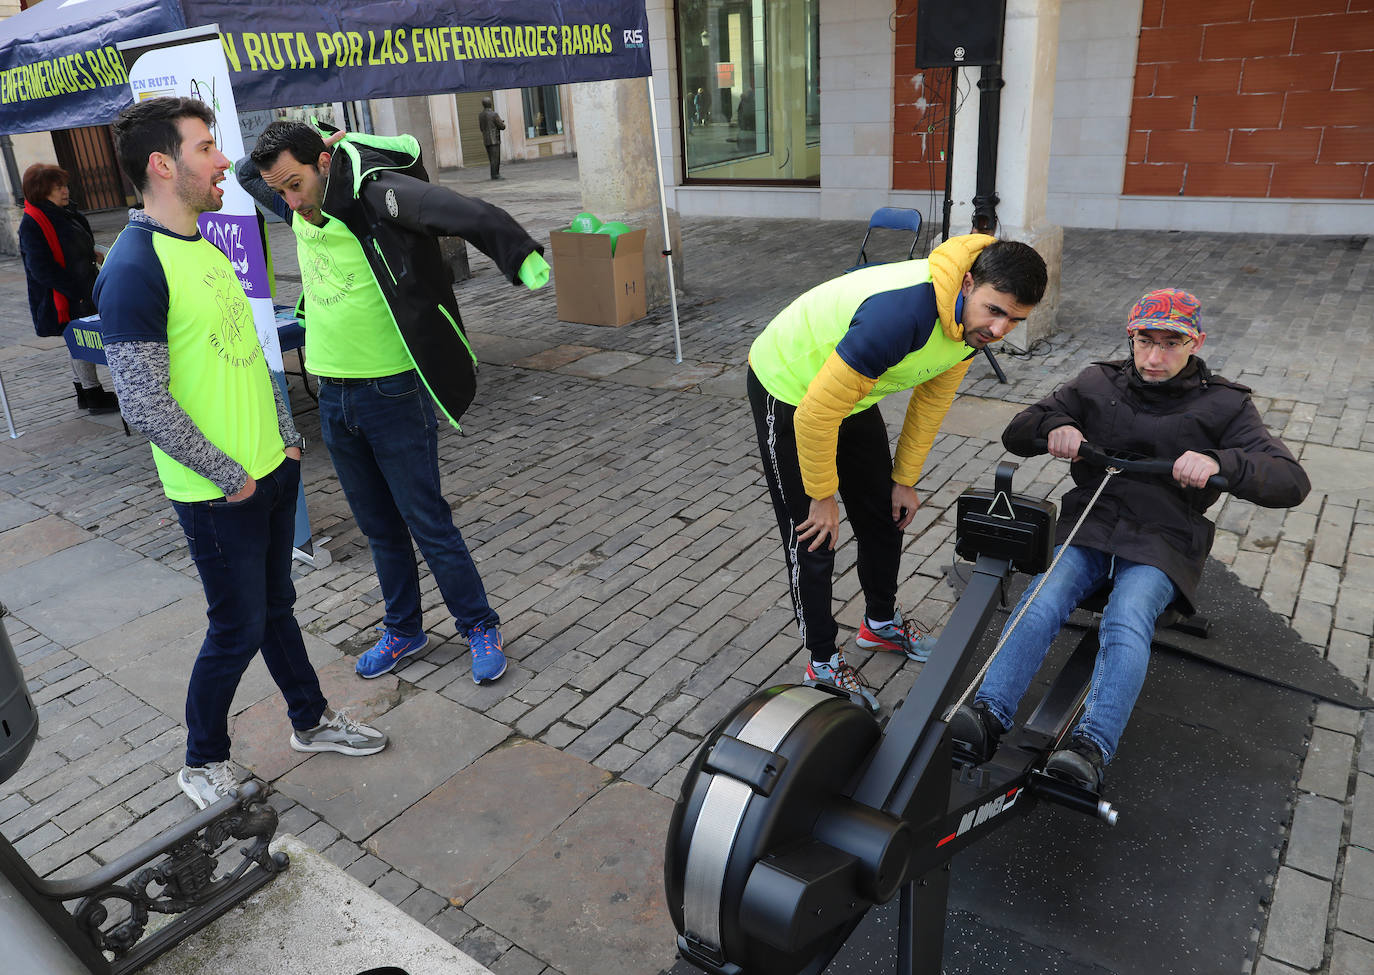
{"points": [[158, 87], [237, 236], [635, 37]]}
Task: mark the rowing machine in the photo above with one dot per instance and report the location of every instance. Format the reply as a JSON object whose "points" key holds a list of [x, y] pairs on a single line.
{"points": [[800, 812]]}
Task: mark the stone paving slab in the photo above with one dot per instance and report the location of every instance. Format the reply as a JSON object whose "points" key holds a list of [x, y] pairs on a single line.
{"points": [[1344, 474], [261, 731], [160, 676], [559, 355], [659, 373], [502, 350], [589, 899], [124, 645], [37, 539], [598, 365], [10, 457], [67, 571], [431, 739], [467, 832], [973, 416], [14, 512], [43, 440], [107, 600], [1297, 932], [1315, 838]]}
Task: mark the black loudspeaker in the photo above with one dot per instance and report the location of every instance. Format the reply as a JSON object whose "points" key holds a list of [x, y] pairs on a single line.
{"points": [[957, 33]]}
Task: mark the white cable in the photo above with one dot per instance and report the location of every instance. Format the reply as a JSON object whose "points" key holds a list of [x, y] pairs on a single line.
{"points": [[978, 678]]}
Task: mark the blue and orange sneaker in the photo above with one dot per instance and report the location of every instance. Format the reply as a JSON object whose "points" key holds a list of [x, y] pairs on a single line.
{"points": [[906, 637], [488, 662], [387, 652], [836, 671]]}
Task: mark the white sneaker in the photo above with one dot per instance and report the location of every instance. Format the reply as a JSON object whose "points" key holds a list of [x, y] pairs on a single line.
{"points": [[337, 732], [208, 784]]}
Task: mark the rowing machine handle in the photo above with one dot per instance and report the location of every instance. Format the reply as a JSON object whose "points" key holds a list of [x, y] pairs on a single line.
{"points": [[1102, 457]]}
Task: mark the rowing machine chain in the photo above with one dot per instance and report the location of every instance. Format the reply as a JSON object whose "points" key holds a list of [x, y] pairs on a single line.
{"points": [[978, 678]]}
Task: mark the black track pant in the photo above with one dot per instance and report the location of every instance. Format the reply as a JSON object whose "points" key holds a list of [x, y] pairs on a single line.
{"points": [[864, 461]]}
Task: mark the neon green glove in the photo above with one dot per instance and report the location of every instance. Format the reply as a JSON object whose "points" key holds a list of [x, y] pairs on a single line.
{"points": [[534, 273]]}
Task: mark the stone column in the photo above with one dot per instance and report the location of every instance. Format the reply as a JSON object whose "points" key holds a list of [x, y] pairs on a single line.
{"points": [[27, 148], [615, 164], [410, 116], [1029, 50]]}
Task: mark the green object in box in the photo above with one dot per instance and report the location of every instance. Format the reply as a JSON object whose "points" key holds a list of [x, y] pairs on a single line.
{"points": [[585, 223], [613, 229]]}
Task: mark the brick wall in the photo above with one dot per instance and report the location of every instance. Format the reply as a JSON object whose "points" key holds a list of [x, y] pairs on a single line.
{"points": [[920, 114], [1253, 98]]}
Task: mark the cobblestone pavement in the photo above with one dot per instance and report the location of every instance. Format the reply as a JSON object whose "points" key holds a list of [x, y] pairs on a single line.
{"points": [[615, 507]]}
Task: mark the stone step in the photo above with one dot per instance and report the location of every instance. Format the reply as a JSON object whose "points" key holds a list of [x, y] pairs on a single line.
{"points": [[313, 919]]}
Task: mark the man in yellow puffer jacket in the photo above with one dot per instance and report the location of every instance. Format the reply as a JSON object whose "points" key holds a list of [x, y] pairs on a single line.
{"points": [[816, 374]]}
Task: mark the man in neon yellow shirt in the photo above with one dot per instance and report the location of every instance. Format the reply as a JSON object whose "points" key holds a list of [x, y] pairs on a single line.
{"points": [[184, 354], [816, 374], [384, 335]]}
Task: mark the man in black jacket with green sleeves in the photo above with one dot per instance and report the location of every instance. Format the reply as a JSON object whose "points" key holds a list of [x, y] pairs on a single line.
{"points": [[1149, 536], [383, 333]]}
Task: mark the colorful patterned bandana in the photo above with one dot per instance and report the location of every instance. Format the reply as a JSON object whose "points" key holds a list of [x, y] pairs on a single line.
{"points": [[1168, 309]]}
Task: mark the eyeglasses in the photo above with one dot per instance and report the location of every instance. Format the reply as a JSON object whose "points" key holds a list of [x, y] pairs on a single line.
{"points": [[1170, 345]]}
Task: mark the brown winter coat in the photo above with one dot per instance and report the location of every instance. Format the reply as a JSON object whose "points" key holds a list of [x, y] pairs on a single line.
{"points": [[1149, 519]]}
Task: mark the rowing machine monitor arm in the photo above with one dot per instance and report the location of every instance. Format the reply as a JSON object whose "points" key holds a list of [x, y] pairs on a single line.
{"points": [[799, 812]]}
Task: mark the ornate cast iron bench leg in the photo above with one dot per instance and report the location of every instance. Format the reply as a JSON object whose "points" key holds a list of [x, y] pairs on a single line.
{"points": [[183, 883]]}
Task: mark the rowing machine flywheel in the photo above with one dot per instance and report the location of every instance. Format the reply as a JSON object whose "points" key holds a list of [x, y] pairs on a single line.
{"points": [[768, 861]]}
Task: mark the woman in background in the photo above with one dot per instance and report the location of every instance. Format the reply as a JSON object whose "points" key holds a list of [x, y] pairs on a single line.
{"points": [[60, 262]]}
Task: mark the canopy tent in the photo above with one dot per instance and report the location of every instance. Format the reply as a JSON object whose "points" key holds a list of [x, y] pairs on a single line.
{"points": [[59, 67]]}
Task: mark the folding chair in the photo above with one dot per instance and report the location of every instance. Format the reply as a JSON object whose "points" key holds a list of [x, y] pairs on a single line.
{"points": [[890, 218]]}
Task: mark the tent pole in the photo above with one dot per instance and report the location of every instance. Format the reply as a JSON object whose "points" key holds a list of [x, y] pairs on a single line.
{"points": [[663, 209], [9, 414]]}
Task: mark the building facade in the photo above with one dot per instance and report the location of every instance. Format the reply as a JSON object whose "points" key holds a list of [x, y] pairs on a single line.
{"points": [[1233, 115]]}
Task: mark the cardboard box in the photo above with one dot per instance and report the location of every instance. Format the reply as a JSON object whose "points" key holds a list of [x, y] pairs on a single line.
{"points": [[593, 287]]}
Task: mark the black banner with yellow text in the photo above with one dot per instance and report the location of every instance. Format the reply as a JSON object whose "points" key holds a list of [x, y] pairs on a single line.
{"points": [[303, 53]]}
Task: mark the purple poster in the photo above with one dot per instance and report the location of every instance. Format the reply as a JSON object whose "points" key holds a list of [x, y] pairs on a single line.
{"points": [[237, 236]]}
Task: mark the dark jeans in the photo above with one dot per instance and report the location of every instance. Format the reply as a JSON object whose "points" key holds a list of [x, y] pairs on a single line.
{"points": [[864, 461], [381, 436], [242, 551], [494, 157]]}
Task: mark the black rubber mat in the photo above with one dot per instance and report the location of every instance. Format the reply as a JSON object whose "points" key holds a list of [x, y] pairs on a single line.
{"points": [[1246, 636], [1203, 781]]}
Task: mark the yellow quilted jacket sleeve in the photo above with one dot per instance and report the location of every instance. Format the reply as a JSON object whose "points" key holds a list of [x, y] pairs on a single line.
{"points": [[929, 403], [830, 397]]}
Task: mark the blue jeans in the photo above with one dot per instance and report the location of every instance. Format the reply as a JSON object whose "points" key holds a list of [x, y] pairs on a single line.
{"points": [[242, 551], [1139, 594], [381, 437]]}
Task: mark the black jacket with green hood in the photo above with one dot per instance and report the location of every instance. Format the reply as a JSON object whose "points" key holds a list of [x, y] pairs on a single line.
{"points": [[378, 187]]}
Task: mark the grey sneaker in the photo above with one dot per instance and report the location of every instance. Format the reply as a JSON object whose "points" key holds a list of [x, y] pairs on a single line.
{"points": [[208, 784], [337, 732]]}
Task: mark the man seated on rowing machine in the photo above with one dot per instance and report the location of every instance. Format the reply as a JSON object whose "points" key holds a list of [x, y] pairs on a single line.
{"points": [[1147, 535]]}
